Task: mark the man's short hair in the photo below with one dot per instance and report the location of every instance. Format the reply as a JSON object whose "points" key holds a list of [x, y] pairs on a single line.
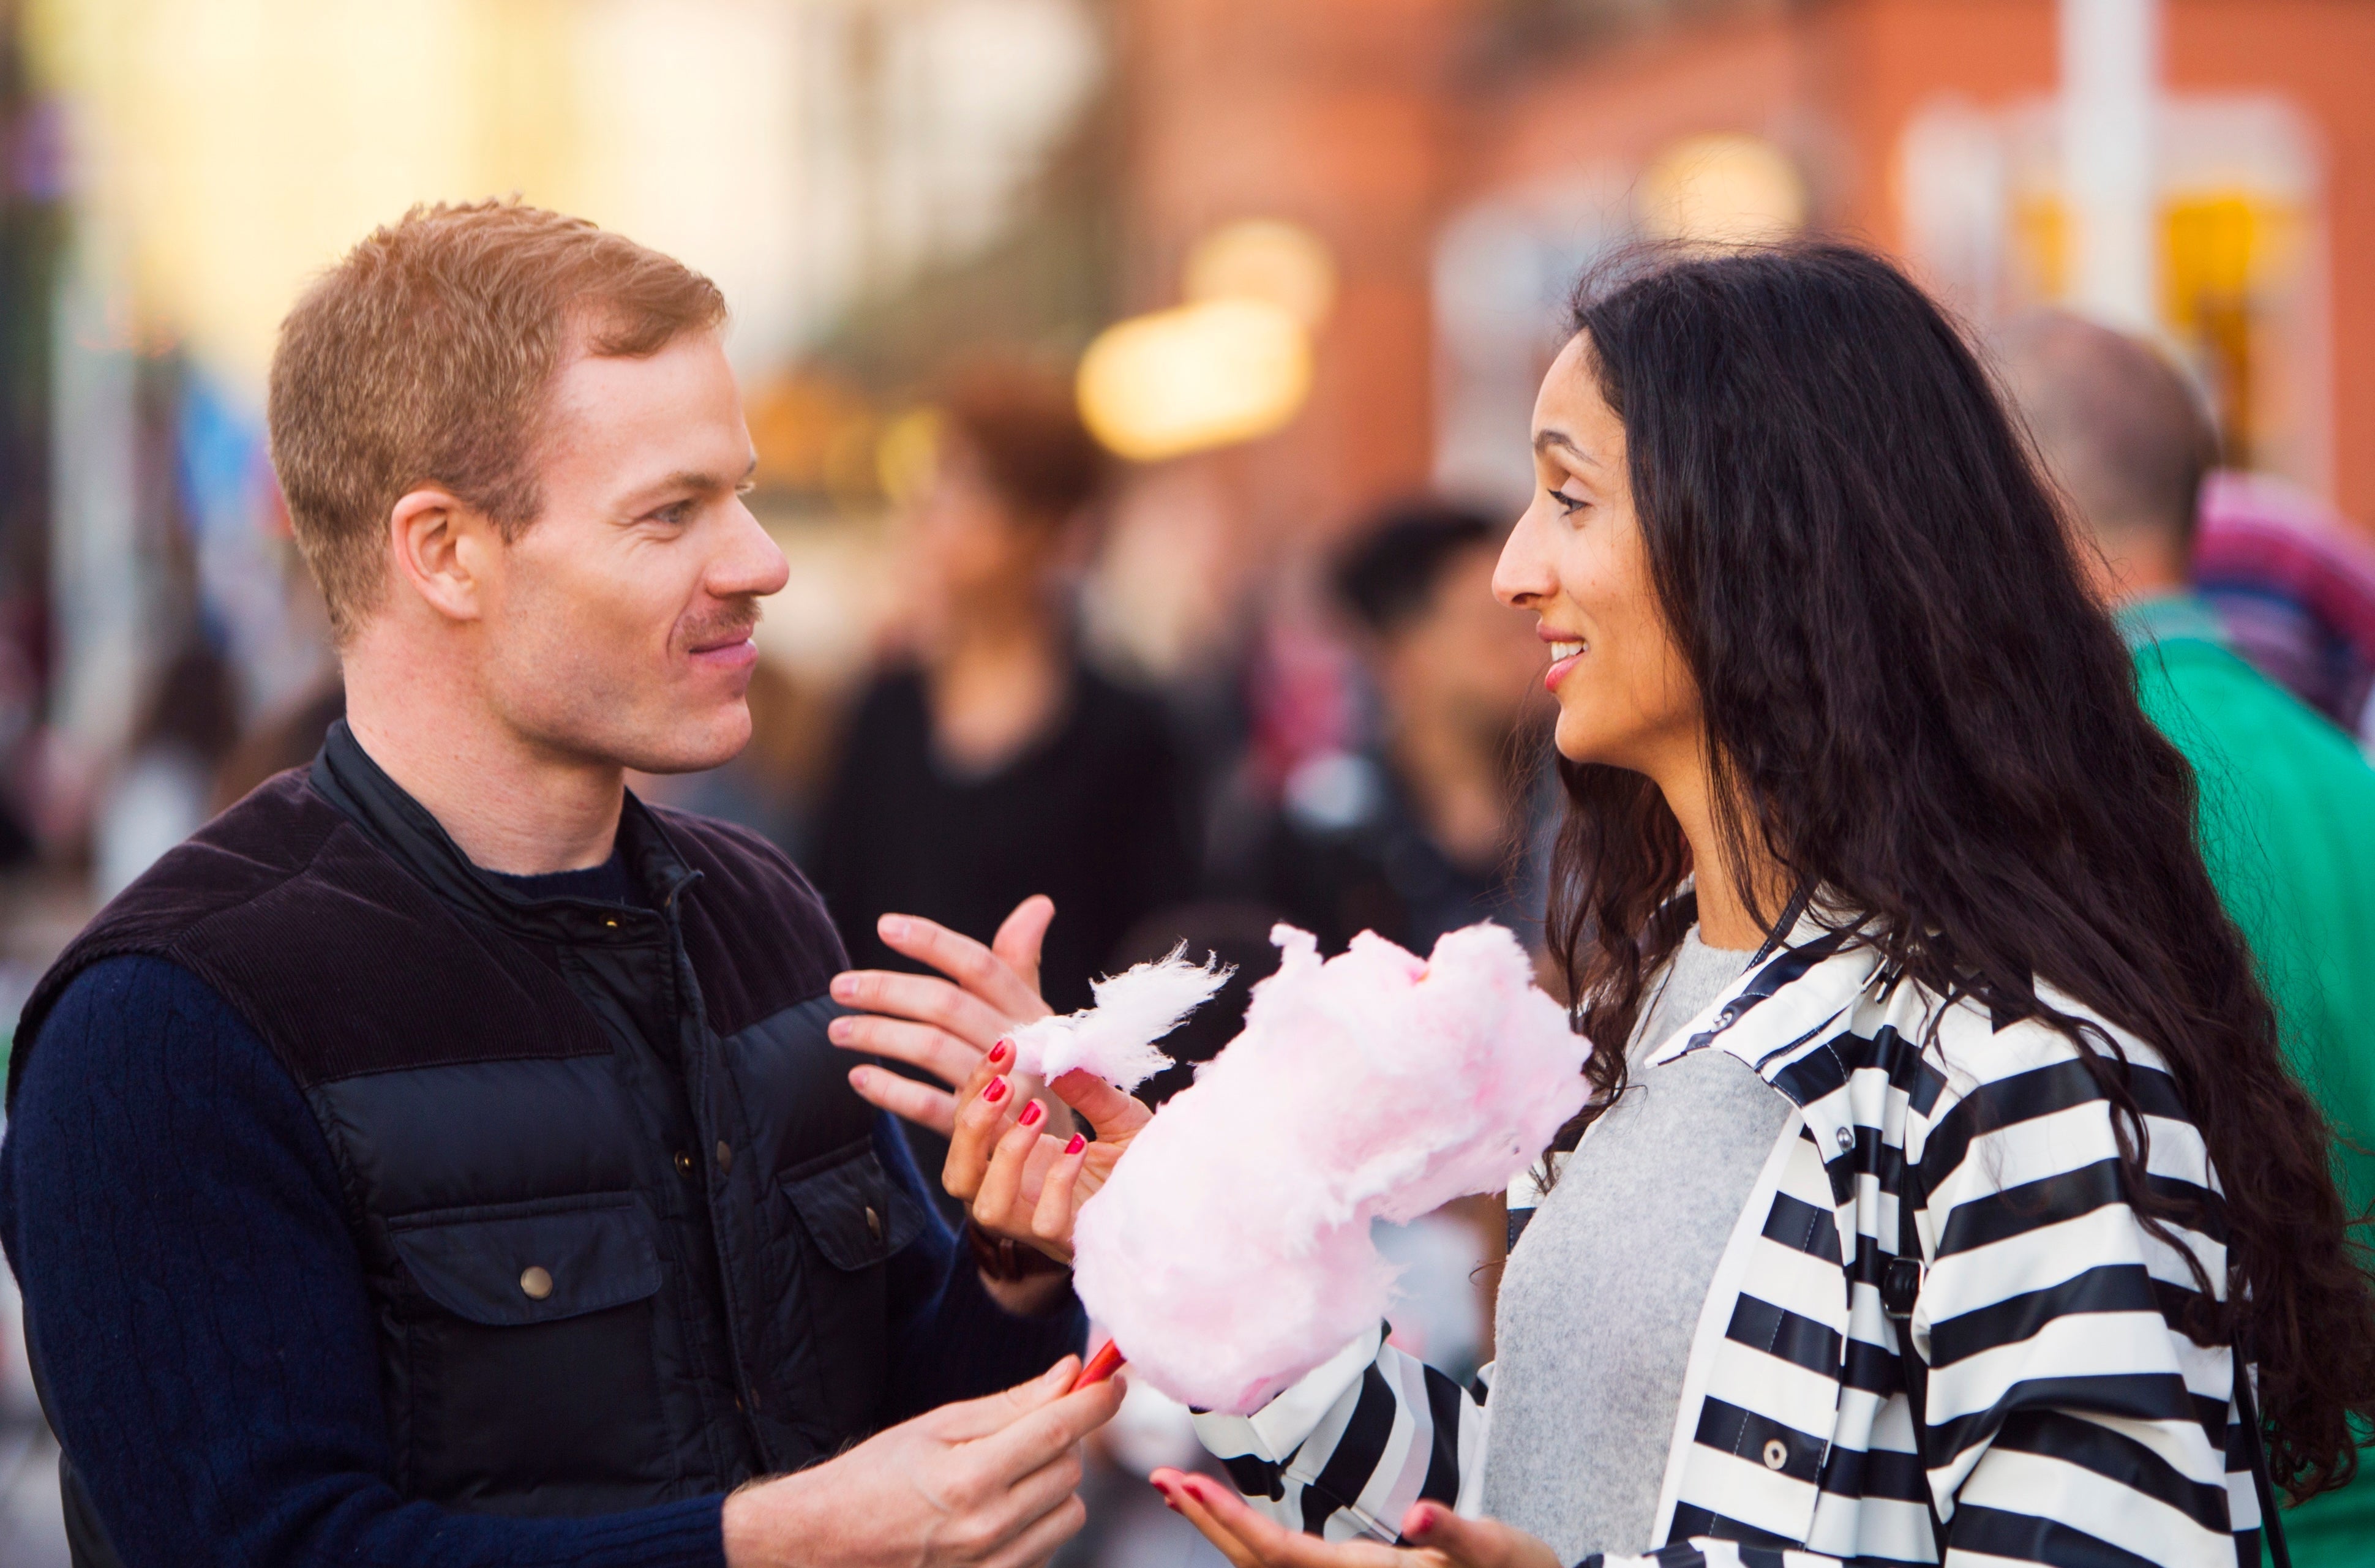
{"points": [[427, 356], [1386, 576], [2123, 431]]}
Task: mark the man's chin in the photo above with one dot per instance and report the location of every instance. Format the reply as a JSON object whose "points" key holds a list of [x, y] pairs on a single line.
{"points": [[681, 742]]}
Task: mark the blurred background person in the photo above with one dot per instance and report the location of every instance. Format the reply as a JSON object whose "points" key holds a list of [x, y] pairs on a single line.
{"points": [[2288, 803], [164, 789], [2295, 583], [988, 761], [1438, 820]]}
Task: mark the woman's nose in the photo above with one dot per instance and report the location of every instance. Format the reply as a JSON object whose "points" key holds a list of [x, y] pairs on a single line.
{"points": [[1522, 574]]}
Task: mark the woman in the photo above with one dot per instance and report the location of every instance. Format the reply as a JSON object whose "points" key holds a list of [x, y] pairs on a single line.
{"points": [[1938, 1036]]}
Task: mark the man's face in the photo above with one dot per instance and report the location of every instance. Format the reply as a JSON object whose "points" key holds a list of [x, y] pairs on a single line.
{"points": [[618, 624]]}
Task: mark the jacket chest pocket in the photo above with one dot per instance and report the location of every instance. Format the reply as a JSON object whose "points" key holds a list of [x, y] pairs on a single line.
{"points": [[533, 1382], [848, 1218]]}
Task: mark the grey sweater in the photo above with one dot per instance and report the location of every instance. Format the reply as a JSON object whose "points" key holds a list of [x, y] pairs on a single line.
{"points": [[1602, 1297]]}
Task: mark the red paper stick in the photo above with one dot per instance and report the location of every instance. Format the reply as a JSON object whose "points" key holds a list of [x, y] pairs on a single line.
{"points": [[1104, 1365]]}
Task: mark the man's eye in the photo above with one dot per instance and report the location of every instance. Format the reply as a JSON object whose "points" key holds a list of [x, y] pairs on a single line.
{"points": [[676, 514], [1571, 504]]}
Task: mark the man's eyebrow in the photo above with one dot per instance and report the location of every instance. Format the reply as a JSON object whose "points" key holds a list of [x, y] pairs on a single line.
{"points": [[700, 483]]}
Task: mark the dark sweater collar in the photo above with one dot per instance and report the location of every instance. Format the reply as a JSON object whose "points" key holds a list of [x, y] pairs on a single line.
{"points": [[345, 775]]}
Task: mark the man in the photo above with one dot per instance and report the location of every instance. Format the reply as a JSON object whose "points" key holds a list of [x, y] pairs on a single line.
{"points": [[441, 1158], [1416, 837], [2287, 802]]}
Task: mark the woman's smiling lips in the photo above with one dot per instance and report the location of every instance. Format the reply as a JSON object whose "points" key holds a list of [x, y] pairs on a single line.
{"points": [[1565, 652]]}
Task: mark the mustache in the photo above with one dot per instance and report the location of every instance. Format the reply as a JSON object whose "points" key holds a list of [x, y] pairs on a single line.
{"points": [[731, 622]]}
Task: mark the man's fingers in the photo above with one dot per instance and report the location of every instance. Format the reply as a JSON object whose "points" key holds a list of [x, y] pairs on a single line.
{"points": [[973, 966], [1035, 1438], [924, 1000], [1021, 935], [970, 1418], [924, 1045], [919, 1103], [1039, 1541]]}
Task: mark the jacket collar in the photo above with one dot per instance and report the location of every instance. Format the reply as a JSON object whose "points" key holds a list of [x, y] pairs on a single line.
{"points": [[344, 774], [1786, 1005]]}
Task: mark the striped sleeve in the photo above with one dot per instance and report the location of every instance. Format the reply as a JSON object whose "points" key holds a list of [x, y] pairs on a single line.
{"points": [[2064, 1384], [1344, 1452]]}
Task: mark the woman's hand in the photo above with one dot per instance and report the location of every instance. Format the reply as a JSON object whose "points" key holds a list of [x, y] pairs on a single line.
{"points": [[1023, 1177], [1437, 1537], [942, 1026]]}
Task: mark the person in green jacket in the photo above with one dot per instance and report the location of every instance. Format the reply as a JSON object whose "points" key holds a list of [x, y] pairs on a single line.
{"points": [[2287, 801]]}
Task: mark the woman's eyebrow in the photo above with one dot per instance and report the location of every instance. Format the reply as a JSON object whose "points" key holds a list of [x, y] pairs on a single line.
{"points": [[1546, 439]]}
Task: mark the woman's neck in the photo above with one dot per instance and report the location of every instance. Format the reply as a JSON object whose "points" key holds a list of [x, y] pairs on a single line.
{"points": [[1725, 917], [996, 685]]}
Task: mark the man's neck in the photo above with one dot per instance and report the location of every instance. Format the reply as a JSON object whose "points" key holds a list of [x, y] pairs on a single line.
{"points": [[509, 805]]}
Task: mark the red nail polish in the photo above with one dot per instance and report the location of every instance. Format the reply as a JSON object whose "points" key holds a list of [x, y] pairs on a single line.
{"points": [[1077, 1144], [996, 1091], [1031, 1114], [999, 1052]]}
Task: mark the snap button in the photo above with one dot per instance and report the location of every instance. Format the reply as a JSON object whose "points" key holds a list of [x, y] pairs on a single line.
{"points": [[684, 1162], [873, 1223], [535, 1283], [612, 923], [1777, 1452], [725, 1156], [1847, 1139]]}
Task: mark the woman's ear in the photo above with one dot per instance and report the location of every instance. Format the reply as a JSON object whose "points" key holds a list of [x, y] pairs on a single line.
{"points": [[438, 546]]}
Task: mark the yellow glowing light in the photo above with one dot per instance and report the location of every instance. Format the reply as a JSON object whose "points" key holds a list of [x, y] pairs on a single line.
{"points": [[1193, 378], [1721, 190], [1264, 259]]}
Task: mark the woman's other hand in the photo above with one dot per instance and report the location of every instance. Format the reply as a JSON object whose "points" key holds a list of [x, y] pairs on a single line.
{"points": [[942, 1026], [1022, 1176], [1437, 1538]]}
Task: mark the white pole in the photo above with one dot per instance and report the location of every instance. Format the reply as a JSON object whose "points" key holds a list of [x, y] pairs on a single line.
{"points": [[2110, 70]]}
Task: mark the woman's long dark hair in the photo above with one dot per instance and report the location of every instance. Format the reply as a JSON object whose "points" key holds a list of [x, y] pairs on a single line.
{"points": [[1913, 703]]}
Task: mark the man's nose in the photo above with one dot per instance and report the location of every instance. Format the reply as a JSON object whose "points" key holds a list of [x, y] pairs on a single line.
{"points": [[752, 564]]}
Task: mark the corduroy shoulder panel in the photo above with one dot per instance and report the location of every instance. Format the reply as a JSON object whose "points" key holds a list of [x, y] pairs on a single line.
{"points": [[756, 931], [341, 961]]}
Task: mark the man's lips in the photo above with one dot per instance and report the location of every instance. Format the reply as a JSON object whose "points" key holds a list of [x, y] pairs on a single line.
{"points": [[729, 649]]}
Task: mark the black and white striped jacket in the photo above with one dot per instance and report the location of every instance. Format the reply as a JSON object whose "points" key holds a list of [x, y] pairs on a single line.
{"points": [[2070, 1420]]}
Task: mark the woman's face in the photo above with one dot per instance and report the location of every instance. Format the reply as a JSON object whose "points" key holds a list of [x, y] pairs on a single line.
{"points": [[1577, 560]]}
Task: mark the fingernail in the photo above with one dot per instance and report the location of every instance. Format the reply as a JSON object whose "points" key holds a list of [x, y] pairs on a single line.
{"points": [[1421, 1522], [996, 1091], [1031, 1114], [1078, 1143], [999, 1052], [893, 926], [845, 987], [838, 1031]]}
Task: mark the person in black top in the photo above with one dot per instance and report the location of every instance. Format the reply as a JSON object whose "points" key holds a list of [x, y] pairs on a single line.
{"points": [[1435, 825], [993, 764]]}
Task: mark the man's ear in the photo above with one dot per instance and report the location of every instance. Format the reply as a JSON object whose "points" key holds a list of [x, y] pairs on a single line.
{"points": [[440, 546]]}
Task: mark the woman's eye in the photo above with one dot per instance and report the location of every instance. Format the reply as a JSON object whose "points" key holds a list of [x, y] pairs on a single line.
{"points": [[1571, 504]]}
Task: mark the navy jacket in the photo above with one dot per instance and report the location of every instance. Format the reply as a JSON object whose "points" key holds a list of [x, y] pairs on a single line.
{"points": [[614, 1229]]}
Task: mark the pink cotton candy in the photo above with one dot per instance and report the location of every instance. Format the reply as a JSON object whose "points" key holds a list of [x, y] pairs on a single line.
{"points": [[1116, 1039], [1229, 1253]]}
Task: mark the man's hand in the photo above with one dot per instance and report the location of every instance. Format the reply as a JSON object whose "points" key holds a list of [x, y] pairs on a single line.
{"points": [[943, 1026], [1437, 1537], [988, 1483]]}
